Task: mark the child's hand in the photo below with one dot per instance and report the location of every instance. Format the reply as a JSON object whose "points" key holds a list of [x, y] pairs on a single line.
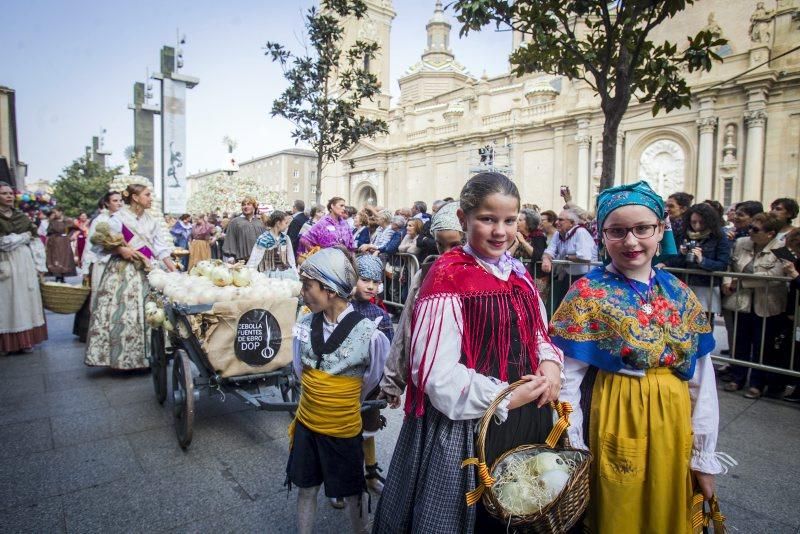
{"points": [[550, 370], [535, 388], [392, 400], [705, 483]]}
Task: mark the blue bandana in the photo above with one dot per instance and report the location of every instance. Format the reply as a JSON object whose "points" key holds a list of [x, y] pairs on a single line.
{"points": [[638, 194], [370, 267]]}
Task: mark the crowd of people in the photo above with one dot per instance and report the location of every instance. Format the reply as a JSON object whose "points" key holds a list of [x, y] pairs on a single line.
{"points": [[622, 327]]}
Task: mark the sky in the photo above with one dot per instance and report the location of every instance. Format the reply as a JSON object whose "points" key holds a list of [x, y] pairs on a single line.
{"points": [[73, 65]]}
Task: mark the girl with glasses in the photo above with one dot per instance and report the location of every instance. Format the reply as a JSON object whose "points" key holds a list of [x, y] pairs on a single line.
{"points": [[636, 343]]}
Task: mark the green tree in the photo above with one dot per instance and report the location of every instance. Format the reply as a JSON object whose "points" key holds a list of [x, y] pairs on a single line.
{"points": [[607, 45], [81, 184], [327, 86]]}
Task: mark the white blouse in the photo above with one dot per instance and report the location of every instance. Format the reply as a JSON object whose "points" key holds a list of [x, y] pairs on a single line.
{"points": [[146, 231], [454, 389], [705, 412]]}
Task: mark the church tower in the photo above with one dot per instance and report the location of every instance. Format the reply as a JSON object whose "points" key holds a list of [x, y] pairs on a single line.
{"points": [[438, 50], [375, 26], [437, 71]]}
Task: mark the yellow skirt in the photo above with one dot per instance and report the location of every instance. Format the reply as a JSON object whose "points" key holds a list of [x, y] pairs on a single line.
{"points": [[641, 437], [199, 250]]}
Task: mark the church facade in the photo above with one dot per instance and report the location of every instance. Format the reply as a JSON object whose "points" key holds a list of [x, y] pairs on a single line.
{"points": [[739, 140]]}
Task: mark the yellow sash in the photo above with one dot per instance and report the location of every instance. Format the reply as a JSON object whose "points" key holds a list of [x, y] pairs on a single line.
{"points": [[329, 405]]}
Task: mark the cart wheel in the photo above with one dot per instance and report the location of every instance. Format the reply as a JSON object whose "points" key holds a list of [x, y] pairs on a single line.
{"points": [[182, 397], [158, 364], [290, 390]]}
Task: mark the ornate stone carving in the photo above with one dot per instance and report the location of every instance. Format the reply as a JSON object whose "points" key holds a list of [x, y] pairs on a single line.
{"points": [[662, 164], [583, 140], [729, 148], [713, 27], [755, 119], [598, 161], [760, 24], [706, 124], [453, 112]]}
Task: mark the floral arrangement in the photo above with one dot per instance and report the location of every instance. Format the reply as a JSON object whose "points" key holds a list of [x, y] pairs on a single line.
{"points": [[225, 193]]}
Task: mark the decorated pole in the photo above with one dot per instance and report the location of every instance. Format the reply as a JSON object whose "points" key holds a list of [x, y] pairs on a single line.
{"points": [[173, 128]]}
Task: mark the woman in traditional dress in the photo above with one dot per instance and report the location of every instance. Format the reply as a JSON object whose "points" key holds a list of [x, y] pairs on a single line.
{"points": [[118, 334], [181, 232], [272, 253], [200, 247], [60, 257], [93, 262], [331, 230], [22, 323], [478, 325], [639, 378], [81, 230]]}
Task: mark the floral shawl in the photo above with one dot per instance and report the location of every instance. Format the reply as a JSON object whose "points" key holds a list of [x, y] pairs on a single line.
{"points": [[600, 322]]}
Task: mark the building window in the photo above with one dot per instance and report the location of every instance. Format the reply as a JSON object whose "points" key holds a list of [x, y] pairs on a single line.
{"points": [[296, 187], [727, 190], [314, 189], [296, 173]]}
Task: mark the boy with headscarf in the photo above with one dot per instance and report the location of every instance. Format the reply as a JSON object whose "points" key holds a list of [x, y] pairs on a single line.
{"points": [[370, 275], [339, 356]]}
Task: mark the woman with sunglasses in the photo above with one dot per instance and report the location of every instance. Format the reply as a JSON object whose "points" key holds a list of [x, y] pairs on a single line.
{"points": [[761, 305]]}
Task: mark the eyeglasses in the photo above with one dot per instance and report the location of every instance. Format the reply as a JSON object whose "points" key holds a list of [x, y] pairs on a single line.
{"points": [[754, 229], [641, 231]]}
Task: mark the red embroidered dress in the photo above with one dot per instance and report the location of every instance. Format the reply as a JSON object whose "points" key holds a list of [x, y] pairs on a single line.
{"points": [[476, 327], [486, 302]]}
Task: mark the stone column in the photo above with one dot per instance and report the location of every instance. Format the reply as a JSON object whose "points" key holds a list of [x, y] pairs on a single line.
{"points": [[619, 161], [582, 194], [705, 158], [754, 157], [584, 141]]}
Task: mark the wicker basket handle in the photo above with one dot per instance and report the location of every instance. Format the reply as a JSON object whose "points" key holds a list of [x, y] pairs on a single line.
{"points": [[485, 478]]}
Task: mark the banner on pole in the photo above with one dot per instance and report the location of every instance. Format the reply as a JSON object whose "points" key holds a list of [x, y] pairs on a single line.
{"points": [[173, 147]]}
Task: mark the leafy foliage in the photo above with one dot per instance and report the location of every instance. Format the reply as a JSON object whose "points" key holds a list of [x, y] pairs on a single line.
{"points": [[327, 86], [81, 184], [607, 45]]}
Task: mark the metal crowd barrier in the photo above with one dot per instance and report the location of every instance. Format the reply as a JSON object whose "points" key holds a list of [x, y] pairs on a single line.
{"points": [[772, 345], [399, 269]]}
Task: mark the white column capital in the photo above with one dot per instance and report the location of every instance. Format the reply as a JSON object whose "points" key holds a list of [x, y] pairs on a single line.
{"points": [[583, 140], [707, 124], [755, 119]]}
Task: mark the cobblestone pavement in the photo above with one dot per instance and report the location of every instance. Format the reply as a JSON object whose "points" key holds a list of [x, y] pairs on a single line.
{"points": [[88, 450]]}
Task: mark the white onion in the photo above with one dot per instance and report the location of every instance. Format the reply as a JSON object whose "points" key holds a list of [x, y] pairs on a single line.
{"points": [[553, 482], [242, 277], [221, 276], [548, 461], [156, 318]]}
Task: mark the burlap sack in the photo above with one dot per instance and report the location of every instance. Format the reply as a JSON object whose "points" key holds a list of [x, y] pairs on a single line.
{"points": [[249, 337]]}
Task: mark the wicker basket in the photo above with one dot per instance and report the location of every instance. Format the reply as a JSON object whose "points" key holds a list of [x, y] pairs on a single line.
{"points": [[63, 298], [565, 510]]}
